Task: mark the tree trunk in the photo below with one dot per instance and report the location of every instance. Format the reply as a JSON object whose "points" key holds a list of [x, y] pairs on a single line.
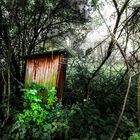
{"points": [[138, 98]]}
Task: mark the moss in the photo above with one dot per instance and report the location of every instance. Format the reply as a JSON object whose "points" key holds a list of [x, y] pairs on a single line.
{"points": [[29, 78]]}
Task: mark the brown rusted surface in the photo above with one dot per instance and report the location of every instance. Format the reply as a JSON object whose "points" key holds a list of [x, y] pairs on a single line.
{"points": [[48, 54], [60, 78], [44, 70]]}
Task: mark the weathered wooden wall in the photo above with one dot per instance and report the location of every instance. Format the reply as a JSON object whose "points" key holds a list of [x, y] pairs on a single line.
{"points": [[44, 70]]}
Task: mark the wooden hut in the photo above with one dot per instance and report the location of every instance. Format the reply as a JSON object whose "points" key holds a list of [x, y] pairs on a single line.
{"points": [[48, 67]]}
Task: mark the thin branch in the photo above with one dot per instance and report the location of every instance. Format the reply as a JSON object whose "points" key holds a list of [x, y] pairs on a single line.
{"points": [[123, 54], [111, 44], [128, 20], [5, 85], [41, 28], [122, 111], [119, 16], [116, 6], [124, 6]]}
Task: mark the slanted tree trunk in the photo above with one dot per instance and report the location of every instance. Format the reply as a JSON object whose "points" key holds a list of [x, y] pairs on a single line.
{"points": [[138, 98], [8, 84]]}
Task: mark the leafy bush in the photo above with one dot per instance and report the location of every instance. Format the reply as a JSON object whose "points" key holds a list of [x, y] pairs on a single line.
{"points": [[135, 136], [38, 101], [86, 121], [79, 121], [106, 91], [33, 122]]}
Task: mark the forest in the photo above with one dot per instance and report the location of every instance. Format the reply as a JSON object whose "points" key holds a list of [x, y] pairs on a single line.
{"points": [[69, 70]]}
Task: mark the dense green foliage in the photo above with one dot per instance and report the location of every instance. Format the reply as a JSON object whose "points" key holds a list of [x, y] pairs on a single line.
{"points": [[107, 91], [97, 75], [38, 100], [135, 136], [97, 116]]}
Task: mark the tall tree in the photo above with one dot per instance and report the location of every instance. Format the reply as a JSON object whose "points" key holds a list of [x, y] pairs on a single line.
{"points": [[26, 24]]}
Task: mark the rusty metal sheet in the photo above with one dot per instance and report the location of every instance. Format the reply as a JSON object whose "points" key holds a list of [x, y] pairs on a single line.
{"points": [[42, 70]]}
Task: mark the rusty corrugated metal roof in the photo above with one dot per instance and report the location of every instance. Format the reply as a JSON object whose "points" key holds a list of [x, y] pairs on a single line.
{"points": [[48, 53]]}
